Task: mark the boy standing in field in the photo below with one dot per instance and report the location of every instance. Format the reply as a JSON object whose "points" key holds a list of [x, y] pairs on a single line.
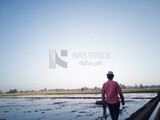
{"points": [[110, 92]]}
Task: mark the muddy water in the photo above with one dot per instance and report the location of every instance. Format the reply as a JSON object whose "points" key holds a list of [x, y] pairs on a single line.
{"points": [[51, 108]]}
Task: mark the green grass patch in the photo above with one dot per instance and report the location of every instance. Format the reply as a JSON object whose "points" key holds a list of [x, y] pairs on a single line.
{"points": [[141, 90], [130, 90]]}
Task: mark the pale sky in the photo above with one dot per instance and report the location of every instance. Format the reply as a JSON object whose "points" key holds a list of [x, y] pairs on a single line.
{"points": [[128, 30]]}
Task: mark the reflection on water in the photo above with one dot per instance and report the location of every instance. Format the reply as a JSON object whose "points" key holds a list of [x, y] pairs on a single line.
{"points": [[69, 109]]}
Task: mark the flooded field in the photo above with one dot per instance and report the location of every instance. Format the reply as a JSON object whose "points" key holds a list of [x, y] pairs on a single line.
{"points": [[65, 107]]}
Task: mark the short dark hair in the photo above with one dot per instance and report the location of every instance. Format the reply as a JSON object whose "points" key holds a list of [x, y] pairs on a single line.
{"points": [[110, 76]]}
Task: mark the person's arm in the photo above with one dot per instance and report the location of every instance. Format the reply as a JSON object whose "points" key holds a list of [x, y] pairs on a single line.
{"points": [[103, 103], [122, 98], [103, 97], [121, 95]]}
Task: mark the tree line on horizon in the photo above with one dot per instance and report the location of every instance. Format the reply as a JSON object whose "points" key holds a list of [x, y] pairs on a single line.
{"points": [[95, 89]]}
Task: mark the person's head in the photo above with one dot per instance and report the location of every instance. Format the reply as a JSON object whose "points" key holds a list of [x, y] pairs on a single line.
{"points": [[110, 75]]}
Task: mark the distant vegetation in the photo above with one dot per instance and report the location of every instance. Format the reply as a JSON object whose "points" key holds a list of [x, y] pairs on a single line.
{"points": [[83, 90]]}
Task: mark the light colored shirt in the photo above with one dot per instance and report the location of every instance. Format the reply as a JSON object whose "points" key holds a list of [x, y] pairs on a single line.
{"points": [[111, 89]]}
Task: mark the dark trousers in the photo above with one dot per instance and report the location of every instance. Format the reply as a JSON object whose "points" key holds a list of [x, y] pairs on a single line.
{"points": [[114, 110]]}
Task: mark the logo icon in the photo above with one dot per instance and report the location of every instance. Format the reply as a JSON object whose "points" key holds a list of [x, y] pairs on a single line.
{"points": [[55, 59]]}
